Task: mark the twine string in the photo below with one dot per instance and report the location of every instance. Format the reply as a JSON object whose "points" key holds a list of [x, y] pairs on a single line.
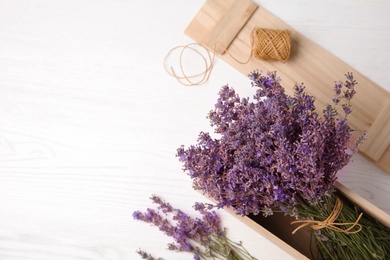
{"points": [[182, 77], [266, 44], [330, 223]]}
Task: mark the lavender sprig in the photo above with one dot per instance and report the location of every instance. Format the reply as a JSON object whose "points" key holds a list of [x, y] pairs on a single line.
{"points": [[273, 149], [373, 242], [203, 237], [145, 255]]}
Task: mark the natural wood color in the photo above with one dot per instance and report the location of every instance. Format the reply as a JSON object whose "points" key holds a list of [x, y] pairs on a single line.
{"points": [[379, 135], [226, 29], [308, 63], [280, 225]]}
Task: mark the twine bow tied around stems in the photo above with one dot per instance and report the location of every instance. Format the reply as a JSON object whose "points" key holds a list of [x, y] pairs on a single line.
{"points": [[330, 222]]}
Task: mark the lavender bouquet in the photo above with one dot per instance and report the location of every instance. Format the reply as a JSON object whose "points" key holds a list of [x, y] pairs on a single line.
{"points": [[277, 153]]}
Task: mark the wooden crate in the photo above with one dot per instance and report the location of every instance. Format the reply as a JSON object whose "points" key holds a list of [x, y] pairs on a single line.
{"points": [[230, 24]]}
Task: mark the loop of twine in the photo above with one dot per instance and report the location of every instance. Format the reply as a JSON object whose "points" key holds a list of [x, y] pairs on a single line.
{"points": [[267, 44], [330, 221], [182, 77]]}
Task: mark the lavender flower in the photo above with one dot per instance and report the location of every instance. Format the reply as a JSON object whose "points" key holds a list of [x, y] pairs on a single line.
{"points": [[201, 236], [146, 255], [271, 150]]}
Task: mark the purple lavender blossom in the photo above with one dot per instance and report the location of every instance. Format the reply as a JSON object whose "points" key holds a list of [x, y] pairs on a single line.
{"points": [[270, 150], [146, 255], [202, 236]]}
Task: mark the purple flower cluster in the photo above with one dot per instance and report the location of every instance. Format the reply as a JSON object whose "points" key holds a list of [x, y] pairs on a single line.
{"points": [[272, 149], [203, 237], [145, 255], [186, 230]]}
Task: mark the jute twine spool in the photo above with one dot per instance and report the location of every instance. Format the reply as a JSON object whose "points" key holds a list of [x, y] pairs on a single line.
{"points": [[271, 45], [267, 44]]}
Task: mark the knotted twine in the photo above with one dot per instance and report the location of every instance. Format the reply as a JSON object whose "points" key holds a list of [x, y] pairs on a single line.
{"points": [[330, 222], [267, 44]]}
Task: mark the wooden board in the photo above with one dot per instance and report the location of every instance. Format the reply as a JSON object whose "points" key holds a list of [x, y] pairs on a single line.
{"points": [[308, 63]]}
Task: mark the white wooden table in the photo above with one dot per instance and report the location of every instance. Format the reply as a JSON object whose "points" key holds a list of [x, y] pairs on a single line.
{"points": [[90, 122]]}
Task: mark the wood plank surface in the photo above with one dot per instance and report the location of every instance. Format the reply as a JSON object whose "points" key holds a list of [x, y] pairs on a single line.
{"points": [[229, 25]]}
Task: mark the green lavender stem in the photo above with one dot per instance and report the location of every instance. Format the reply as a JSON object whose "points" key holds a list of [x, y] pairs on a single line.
{"points": [[372, 242], [221, 247]]}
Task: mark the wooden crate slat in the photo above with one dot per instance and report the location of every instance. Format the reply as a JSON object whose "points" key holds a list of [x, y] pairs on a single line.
{"points": [[378, 135]]}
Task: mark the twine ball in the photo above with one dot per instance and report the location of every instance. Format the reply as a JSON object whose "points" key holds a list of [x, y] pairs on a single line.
{"points": [[271, 45]]}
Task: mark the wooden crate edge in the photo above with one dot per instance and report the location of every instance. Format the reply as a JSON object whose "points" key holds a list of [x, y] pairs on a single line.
{"points": [[365, 205], [268, 235]]}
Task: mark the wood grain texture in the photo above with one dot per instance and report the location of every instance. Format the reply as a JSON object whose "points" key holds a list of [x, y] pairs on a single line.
{"points": [[90, 122], [379, 134], [232, 21]]}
